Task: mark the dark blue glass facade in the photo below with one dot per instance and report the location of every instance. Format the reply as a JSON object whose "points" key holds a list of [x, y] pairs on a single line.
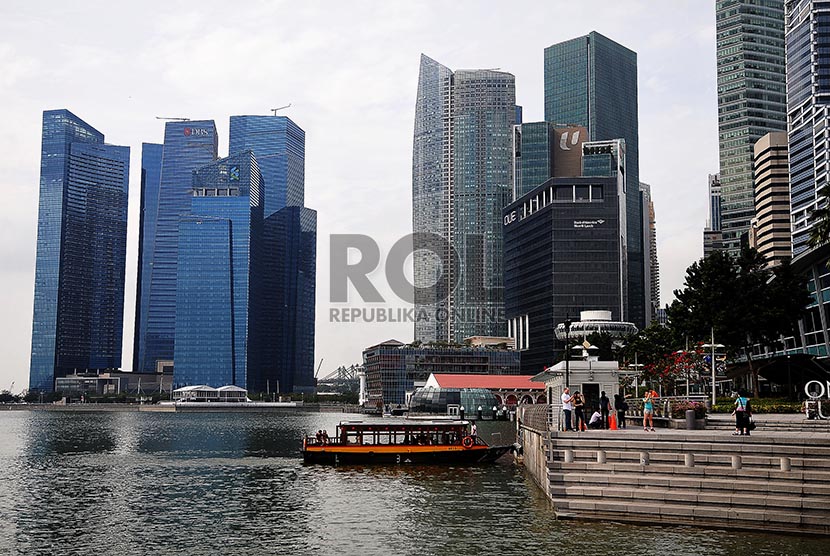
{"points": [[285, 295], [217, 246], [279, 147], [81, 250], [592, 81], [151, 154], [188, 145]]}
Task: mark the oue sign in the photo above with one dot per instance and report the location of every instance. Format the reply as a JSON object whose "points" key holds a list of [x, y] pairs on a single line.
{"points": [[815, 390]]}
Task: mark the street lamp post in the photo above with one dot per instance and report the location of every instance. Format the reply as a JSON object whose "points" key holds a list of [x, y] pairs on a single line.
{"points": [[714, 346], [567, 349]]}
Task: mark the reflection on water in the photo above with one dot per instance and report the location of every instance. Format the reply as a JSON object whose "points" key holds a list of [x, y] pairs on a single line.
{"points": [[230, 483]]}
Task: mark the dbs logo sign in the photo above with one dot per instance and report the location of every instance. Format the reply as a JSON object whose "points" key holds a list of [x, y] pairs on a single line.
{"points": [[196, 131]]}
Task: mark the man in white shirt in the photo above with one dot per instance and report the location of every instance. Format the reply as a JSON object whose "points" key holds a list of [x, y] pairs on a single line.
{"points": [[567, 407]]}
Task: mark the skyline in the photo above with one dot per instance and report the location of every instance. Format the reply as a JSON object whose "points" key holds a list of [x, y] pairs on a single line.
{"points": [[356, 101]]}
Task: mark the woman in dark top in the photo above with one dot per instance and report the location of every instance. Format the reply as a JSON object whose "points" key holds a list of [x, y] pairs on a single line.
{"points": [[579, 411], [743, 412], [621, 407]]}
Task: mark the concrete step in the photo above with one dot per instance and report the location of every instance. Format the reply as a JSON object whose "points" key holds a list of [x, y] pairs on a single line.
{"points": [[807, 505], [646, 512], [736, 485], [748, 459], [708, 471]]}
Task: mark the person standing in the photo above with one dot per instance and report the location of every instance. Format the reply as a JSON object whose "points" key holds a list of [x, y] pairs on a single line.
{"points": [[621, 406], [648, 412], [567, 407], [743, 413], [579, 411], [604, 408]]}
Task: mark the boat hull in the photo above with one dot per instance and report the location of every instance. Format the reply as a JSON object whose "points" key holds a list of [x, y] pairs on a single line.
{"points": [[398, 455]]}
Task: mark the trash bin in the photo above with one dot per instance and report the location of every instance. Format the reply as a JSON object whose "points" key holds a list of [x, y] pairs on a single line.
{"points": [[690, 419]]}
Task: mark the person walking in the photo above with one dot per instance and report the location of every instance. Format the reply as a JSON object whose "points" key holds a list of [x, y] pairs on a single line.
{"points": [[621, 406], [604, 408], [579, 411], [743, 413], [648, 412], [567, 407]]}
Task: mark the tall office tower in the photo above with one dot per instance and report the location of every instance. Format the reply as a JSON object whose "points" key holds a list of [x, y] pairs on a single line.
{"points": [[285, 333], [712, 234], [592, 81], [772, 198], [751, 100], [285, 356], [279, 147], [461, 180], [808, 111], [565, 252], [81, 251], [188, 145], [543, 150], [151, 154], [652, 277], [217, 273]]}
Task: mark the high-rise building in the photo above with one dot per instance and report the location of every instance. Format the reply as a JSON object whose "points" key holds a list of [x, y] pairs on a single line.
{"points": [[81, 251], [279, 147], [771, 228], [284, 357], [544, 150], [712, 235], [461, 180], [188, 145], [565, 253], [151, 154], [652, 276], [217, 272], [285, 335], [591, 81], [751, 101], [808, 111]]}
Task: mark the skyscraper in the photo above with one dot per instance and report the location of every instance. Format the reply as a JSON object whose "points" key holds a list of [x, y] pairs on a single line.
{"points": [[808, 111], [461, 180], [279, 146], [591, 81], [751, 100], [216, 272], [81, 250], [283, 358], [151, 154], [712, 234], [772, 198], [188, 145], [652, 276]]}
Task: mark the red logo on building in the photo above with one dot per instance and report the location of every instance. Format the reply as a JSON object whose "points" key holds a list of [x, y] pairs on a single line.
{"points": [[187, 131]]}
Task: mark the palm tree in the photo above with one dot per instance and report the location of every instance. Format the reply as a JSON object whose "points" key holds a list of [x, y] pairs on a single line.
{"points": [[820, 219]]}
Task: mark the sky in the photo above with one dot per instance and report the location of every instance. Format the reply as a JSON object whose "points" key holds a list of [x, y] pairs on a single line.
{"points": [[349, 70]]}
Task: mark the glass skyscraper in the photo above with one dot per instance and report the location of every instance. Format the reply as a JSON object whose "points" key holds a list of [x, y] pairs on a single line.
{"points": [[284, 311], [808, 109], [591, 81], [151, 154], [751, 101], [188, 145], [279, 146], [218, 243], [81, 250], [461, 179]]}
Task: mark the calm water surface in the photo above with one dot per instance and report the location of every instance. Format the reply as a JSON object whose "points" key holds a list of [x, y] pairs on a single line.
{"points": [[229, 483]]}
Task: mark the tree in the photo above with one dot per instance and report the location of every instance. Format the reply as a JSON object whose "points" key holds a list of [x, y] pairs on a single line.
{"points": [[740, 301], [820, 219]]}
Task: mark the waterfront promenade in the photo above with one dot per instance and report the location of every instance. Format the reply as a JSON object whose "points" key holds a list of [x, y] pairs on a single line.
{"points": [[778, 479]]}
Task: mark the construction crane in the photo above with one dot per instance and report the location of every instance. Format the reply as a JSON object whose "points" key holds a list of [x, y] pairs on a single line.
{"points": [[174, 119], [275, 110], [318, 366]]}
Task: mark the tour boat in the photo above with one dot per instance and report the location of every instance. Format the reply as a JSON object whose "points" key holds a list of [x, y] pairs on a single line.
{"points": [[401, 441]]}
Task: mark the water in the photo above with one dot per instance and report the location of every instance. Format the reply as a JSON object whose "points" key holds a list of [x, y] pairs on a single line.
{"points": [[231, 483]]}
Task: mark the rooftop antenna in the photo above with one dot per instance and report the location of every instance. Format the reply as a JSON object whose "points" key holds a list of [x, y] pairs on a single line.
{"points": [[176, 119], [275, 110]]}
